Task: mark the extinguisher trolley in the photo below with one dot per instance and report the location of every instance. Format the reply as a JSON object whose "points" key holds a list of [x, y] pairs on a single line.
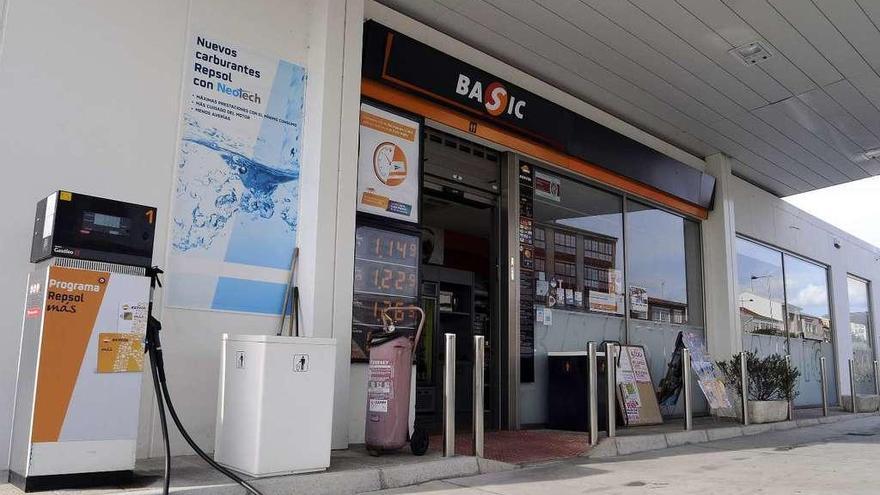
{"points": [[389, 383]]}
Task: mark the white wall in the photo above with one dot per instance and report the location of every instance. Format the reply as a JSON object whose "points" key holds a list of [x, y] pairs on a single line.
{"points": [[90, 99], [766, 218]]}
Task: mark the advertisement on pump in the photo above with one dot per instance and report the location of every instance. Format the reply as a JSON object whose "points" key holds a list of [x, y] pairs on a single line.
{"points": [[236, 197]]}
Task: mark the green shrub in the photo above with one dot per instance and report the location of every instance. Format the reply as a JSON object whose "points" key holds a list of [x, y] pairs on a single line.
{"points": [[770, 378]]}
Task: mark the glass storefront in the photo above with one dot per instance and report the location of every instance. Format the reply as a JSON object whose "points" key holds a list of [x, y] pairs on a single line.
{"points": [[605, 268], [808, 316], [664, 269], [784, 309], [861, 333]]}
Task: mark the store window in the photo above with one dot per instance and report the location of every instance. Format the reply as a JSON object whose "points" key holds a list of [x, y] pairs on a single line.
{"points": [[661, 248], [664, 278], [576, 289], [861, 334], [585, 256], [808, 316], [784, 309], [579, 238], [761, 298]]}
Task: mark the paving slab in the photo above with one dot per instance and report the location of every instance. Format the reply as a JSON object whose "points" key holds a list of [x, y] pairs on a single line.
{"points": [[686, 437], [351, 471], [819, 459], [724, 433], [640, 443]]}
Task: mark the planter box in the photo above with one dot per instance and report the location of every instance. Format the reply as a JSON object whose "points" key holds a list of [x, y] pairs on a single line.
{"points": [[762, 411], [864, 403], [768, 411]]}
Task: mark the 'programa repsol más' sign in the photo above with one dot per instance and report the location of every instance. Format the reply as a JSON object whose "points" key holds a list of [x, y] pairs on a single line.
{"points": [[400, 61]]}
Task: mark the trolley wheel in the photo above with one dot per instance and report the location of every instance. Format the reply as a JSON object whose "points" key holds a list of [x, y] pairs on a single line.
{"points": [[418, 442], [374, 452]]}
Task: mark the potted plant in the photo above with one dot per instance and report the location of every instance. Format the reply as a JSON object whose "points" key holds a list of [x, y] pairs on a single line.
{"points": [[772, 384]]}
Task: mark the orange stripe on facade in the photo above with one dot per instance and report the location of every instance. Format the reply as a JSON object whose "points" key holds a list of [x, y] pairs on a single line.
{"points": [[71, 313], [490, 132]]}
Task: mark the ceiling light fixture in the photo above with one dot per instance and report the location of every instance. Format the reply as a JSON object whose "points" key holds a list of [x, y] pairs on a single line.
{"points": [[752, 52], [872, 154]]}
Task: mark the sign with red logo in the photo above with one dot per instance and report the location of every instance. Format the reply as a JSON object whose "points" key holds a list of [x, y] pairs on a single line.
{"points": [[495, 98], [397, 60]]}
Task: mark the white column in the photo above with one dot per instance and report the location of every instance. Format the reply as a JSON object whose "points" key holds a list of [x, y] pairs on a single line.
{"points": [[328, 185], [839, 301], [345, 218], [723, 335]]}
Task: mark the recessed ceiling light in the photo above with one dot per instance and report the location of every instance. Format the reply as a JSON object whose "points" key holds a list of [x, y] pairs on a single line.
{"points": [[871, 154], [752, 52]]}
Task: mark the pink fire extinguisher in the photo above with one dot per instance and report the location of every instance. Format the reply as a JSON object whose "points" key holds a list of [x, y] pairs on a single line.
{"points": [[389, 383]]}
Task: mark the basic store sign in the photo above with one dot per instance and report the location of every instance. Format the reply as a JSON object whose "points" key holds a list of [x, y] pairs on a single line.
{"points": [[495, 98]]}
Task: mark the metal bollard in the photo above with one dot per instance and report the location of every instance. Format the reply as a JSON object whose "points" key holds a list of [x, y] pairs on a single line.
{"points": [[877, 379], [790, 402], [593, 395], [824, 386], [611, 387], [744, 376], [686, 377], [449, 397], [479, 362], [876, 382], [852, 387]]}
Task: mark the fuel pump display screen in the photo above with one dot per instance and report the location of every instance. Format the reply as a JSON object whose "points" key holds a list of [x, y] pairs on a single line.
{"points": [[386, 275], [73, 225], [106, 224]]}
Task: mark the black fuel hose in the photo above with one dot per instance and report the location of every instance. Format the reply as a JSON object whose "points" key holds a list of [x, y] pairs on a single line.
{"points": [[157, 365], [153, 345], [166, 479]]}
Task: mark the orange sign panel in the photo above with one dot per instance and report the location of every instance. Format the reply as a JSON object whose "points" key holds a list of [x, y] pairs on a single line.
{"points": [[120, 352]]}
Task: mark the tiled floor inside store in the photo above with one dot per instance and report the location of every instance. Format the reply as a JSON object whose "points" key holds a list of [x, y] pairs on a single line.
{"points": [[534, 446], [523, 446]]}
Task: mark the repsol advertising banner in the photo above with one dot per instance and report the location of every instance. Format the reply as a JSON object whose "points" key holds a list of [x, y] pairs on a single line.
{"points": [[92, 333], [400, 61]]}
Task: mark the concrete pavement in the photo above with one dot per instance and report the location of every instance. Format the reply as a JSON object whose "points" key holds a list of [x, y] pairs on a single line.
{"points": [[837, 458]]}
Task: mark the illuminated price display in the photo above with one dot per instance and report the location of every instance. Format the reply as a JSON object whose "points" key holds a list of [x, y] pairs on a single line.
{"points": [[368, 311], [386, 277], [383, 245]]}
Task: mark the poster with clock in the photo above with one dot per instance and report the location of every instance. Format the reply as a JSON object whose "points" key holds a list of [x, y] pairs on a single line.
{"points": [[388, 164], [386, 275]]}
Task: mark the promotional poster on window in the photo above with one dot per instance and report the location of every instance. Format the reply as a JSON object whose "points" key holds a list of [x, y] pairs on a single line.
{"points": [[236, 195], [388, 164], [638, 302]]}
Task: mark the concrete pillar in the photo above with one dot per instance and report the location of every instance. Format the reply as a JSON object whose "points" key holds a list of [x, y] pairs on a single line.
{"points": [[839, 305], [329, 181], [723, 335], [345, 219]]}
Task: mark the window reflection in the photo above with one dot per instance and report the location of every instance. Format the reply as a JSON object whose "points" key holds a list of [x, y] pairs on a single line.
{"points": [[761, 291], [808, 324], [657, 276], [784, 309], [806, 286], [578, 249], [859, 329]]}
